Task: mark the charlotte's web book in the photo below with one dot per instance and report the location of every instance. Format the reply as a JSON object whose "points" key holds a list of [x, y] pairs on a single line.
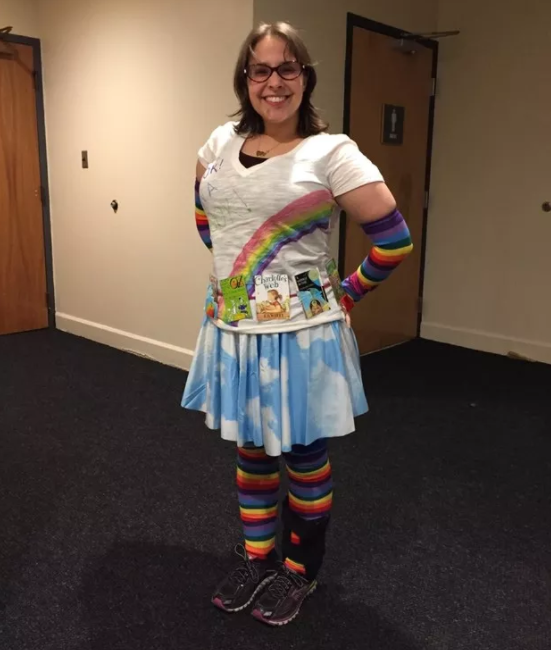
{"points": [[273, 301]]}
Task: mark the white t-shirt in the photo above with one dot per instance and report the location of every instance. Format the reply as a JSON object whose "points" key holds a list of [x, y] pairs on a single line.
{"points": [[275, 219]]}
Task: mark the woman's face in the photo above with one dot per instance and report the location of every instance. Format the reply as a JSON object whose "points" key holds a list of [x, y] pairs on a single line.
{"points": [[275, 99]]}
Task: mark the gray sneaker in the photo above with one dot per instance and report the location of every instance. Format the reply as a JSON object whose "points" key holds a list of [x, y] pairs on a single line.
{"points": [[243, 583], [282, 600]]}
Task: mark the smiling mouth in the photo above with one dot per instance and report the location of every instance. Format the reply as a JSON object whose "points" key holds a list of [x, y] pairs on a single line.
{"points": [[276, 99]]}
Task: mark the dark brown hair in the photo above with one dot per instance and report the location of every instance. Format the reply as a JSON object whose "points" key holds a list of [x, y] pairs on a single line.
{"points": [[250, 122]]}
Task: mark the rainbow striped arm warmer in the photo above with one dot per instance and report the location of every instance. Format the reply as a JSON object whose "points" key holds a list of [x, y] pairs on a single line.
{"points": [[201, 219], [391, 244]]}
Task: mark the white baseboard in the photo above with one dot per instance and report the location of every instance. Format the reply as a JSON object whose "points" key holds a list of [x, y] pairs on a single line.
{"points": [[487, 342], [166, 353]]}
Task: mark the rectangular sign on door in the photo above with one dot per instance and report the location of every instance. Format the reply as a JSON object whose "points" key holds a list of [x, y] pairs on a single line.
{"points": [[393, 124]]}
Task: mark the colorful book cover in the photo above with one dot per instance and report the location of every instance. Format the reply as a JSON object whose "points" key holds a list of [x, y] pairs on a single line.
{"points": [[211, 305], [311, 293], [236, 300], [273, 298], [334, 279]]}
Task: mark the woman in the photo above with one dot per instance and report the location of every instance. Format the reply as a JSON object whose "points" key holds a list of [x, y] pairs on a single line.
{"points": [[269, 191]]}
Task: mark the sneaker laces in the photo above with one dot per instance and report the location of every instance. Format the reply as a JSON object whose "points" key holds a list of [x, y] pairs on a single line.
{"points": [[284, 582], [244, 569]]}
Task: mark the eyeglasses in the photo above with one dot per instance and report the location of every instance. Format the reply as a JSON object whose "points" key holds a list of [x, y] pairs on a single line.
{"points": [[288, 71]]}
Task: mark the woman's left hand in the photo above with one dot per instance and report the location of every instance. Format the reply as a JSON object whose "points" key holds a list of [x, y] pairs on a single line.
{"points": [[346, 304], [347, 318]]}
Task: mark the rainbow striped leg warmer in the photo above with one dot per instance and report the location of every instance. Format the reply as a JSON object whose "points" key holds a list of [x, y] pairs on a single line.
{"points": [[391, 245], [307, 508], [258, 490]]}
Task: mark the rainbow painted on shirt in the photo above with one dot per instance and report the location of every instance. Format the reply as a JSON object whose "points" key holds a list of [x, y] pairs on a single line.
{"points": [[299, 218]]}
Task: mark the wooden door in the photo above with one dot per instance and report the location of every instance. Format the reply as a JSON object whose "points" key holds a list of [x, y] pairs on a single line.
{"points": [[382, 75], [23, 301]]}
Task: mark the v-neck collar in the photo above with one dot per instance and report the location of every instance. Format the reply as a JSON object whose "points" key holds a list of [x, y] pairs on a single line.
{"points": [[239, 141]]}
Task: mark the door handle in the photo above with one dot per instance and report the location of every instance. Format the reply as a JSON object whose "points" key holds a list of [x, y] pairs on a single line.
{"points": [[546, 207]]}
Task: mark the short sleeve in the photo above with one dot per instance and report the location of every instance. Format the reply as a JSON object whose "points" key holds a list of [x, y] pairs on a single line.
{"points": [[210, 151], [348, 168]]}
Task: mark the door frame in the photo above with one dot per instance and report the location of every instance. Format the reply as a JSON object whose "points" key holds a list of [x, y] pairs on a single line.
{"points": [[353, 20], [43, 161]]}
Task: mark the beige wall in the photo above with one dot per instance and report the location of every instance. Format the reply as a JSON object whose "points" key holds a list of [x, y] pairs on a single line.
{"points": [[488, 264], [140, 85], [22, 15], [324, 29]]}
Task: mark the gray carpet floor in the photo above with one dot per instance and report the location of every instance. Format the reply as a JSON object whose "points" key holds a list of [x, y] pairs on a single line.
{"points": [[118, 509]]}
